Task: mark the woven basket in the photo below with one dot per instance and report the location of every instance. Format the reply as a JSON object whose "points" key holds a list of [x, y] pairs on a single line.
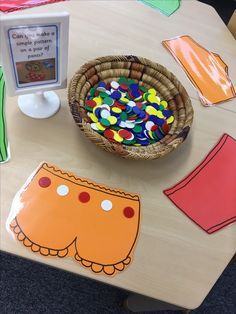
{"points": [[147, 73]]}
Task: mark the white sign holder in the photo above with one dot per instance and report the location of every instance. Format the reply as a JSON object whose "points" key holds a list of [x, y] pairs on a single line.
{"points": [[39, 105], [34, 56]]}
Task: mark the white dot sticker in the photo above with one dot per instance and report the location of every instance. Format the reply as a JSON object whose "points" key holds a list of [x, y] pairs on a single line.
{"points": [[62, 190], [106, 205]]}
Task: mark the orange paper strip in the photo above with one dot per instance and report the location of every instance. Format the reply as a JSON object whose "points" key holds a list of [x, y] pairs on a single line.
{"points": [[206, 70], [59, 214]]}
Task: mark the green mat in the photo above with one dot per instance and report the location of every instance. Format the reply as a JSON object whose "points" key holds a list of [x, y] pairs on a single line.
{"points": [[166, 7], [3, 135]]}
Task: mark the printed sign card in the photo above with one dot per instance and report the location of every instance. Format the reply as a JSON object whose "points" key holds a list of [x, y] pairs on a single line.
{"points": [[34, 52]]}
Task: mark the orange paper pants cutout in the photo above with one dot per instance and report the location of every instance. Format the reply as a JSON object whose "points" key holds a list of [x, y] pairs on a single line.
{"points": [[59, 214], [206, 70]]}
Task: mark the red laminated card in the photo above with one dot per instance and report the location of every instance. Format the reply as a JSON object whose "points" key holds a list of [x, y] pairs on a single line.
{"points": [[13, 5], [208, 194]]}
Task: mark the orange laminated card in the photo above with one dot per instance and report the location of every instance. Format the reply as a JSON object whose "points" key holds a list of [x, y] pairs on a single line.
{"points": [[206, 70], [59, 214]]}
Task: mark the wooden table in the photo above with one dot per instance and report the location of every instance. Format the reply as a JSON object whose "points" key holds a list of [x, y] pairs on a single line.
{"points": [[174, 261]]}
